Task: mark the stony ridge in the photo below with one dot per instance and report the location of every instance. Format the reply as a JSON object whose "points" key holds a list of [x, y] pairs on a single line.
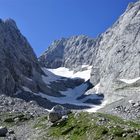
{"points": [[70, 52], [118, 56]]}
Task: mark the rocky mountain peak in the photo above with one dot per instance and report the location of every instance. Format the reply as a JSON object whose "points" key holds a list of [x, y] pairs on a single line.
{"points": [[18, 62], [132, 4], [10, 22], [69, 52]]}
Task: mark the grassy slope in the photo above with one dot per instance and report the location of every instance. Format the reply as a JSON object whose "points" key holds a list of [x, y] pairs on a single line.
{"points": [[83, 126], [78, 126]]}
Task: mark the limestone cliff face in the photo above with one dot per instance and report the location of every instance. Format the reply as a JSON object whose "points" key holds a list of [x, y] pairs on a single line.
{"points": [[118, 55], [18, 63], [70, 52]]}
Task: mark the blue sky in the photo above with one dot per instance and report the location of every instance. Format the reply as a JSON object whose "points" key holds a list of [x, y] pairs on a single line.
{"points": [[42, 21]]}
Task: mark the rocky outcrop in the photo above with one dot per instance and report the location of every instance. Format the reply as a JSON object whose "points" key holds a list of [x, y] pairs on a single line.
{"points": [[19, 67], [126, 108], [57, 112], [3, 131], [118, 56], [70, 52], [18, 63]]}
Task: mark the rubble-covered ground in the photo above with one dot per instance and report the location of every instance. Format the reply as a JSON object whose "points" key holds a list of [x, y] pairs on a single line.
{"points": [[78, 126]]}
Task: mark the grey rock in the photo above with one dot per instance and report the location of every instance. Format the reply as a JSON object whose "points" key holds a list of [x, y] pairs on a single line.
{"points": [[57, 113], [118, 55], [20, 106], [3, 131], [11, 131], [122, 108], [102, 121], [70, 52], [54, 116], [61, 110], [18, 63]]}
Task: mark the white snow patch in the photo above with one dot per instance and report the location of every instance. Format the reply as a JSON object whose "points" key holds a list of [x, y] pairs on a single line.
{"points": [[76, 92], [62, 100], [130, 81], [18, 91], [71, 95], [84, 66], [70, 98], [50, 76], [91, 96], [97, 107], [26, 89], [131, 101], [97, 87], [94, 90], [65, 72], [83, 74], [29, 79], [62, 71]]}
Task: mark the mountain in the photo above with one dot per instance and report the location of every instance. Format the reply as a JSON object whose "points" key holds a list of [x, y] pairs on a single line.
{"points": [[117, 64], [23, 77], [114, 55], [70, 52], [18, 63], [80, 73]]}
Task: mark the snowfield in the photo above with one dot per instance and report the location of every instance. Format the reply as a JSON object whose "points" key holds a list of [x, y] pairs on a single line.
{"points": [[70, 98], [65, 72], [97, 107], [71, 95], [71, 101], [50, 76], [130, 81]]}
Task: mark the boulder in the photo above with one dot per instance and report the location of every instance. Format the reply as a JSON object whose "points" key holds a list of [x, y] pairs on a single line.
{"points": [[11, 131], [57, 112], [61, 110], [54, 116], [3, 131]]}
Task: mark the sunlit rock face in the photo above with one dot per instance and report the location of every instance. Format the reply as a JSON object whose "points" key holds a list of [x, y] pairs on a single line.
{"points": [[70, 52], [18, 63], [118, 56]]}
